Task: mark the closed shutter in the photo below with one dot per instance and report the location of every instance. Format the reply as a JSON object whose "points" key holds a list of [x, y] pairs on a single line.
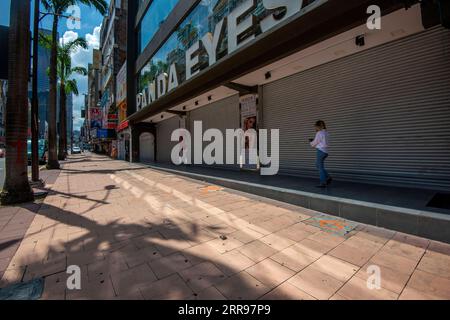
{"points": [[223, 114], [387, 111], [164, 145]]}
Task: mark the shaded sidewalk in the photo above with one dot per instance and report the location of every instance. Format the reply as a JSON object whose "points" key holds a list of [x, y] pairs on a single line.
{"points": [[139, 233]]}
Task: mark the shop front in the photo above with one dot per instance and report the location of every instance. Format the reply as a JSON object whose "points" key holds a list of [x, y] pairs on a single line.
{"points": [[384, 93]]}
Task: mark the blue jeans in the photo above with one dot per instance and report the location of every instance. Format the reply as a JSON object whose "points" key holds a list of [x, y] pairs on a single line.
{"points": [[321, 156]]}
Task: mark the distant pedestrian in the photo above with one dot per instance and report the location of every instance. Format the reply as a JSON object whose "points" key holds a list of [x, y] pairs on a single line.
{"points": [[321, 144]]}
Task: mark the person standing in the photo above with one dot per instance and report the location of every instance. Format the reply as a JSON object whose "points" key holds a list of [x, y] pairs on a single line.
{"points": [[321, 143]]}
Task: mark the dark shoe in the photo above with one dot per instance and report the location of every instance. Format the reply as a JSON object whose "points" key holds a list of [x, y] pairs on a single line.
{"points": [[322, 186], [329, 181]]}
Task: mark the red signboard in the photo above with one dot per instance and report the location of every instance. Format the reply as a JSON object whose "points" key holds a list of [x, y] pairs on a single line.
{"points": [[123, 125]]}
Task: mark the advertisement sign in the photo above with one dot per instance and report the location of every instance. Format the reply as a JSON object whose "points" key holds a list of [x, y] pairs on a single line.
{"points": [[248, 105], [121, 81], [248, 111], [95, 117]]}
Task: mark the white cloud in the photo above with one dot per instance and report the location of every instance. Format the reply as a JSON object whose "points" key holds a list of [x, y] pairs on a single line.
{"points": [[81, 57]]}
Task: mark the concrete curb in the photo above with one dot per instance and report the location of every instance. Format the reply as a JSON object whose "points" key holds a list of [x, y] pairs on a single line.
{"points": [[425, 224]]}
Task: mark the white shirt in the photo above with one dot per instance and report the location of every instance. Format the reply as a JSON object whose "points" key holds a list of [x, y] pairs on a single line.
{"points": [[321, 141]]}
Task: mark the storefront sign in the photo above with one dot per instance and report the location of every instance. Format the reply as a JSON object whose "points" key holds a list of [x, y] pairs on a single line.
{"points": [[239, 26], [123, 125], [121, 81], [95, 117]]}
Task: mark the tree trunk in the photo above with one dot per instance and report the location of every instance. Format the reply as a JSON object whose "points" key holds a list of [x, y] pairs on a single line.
{"points": [[17, 188], [52, 134], [62, 153]]}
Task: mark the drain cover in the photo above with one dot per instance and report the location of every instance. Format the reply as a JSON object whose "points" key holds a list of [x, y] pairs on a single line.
{"points": [[440, 201], [332, 224], [31, 290]]}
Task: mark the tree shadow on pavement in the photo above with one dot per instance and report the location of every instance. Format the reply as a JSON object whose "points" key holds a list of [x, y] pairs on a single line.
{"points": [[118, 260]]}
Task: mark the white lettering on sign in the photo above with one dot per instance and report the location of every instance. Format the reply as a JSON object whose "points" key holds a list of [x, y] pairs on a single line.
{"points": [[239, 23], [237, 29], [291, 7]]}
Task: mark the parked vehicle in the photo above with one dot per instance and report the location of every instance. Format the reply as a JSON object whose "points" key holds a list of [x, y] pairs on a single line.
{"points": [[42, 151], [2, 151], [76, 150]]}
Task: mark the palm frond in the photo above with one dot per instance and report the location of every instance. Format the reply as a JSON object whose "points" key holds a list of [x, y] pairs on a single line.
{"points": [[100, 5], [72, 87], [78, 70]]}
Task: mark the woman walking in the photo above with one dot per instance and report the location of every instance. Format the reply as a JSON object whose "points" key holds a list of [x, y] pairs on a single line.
{"points": [[321, 144]]}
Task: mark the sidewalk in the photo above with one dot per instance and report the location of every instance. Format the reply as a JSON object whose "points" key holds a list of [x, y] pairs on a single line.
{"points": [[138, 233]]}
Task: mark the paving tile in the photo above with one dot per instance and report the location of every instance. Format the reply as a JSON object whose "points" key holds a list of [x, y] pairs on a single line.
{"points": [[357, 289], [293, 259], [435, 263], [202, 276], [395, 262], [242, 286], [430, 285], [412, 240], [404, 249], [127, 283], [277, 242], [270, 273], [439, 247], [313, 248], [351, 254], [287, 291], [315, 283], [170, 288], [257, 250], [392, 280], [99, 289], [208, 294], [55, 287], [246, 235], [168, 265], [327, 239], [232, 262], [335, 267], [227, 245], [295, 232]]}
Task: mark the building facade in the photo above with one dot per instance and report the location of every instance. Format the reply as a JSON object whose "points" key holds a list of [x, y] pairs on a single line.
{"points": [[113, 55], [283, 64]]}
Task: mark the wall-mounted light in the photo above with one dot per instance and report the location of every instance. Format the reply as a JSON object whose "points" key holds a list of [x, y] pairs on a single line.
{"points": [[209, 98], [360, 41], [184, 107], [162, 116], [268, 75], [196, 103]]}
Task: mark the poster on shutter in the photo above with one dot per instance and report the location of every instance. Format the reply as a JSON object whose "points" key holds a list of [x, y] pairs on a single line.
{"points": [[248, 113], [249, 121]]}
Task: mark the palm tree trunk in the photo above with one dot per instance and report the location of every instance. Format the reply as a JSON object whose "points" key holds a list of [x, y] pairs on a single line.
{"points": [[17, 188], [52, 135], [62, 123]]}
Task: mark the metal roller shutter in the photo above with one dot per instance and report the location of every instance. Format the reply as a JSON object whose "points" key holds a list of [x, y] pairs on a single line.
{"points": [[223, 114], [387, 111], [164, 144]]}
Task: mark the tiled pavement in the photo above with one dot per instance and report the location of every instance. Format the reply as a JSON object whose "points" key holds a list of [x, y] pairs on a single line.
{"points": [[137, 233]]}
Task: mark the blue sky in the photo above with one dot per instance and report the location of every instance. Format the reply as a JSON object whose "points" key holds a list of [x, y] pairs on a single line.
{"points": [[90, 30]]}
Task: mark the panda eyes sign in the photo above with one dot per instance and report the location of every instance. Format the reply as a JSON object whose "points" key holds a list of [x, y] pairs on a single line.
{"points": [[239, 27]]}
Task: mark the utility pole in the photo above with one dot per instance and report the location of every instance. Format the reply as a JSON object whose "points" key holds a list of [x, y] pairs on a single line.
{"points": [[35, 99]]}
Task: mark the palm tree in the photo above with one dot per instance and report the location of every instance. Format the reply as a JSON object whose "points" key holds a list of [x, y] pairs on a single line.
{"points": [[17, 188], [57, 8], [67, 85]]}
